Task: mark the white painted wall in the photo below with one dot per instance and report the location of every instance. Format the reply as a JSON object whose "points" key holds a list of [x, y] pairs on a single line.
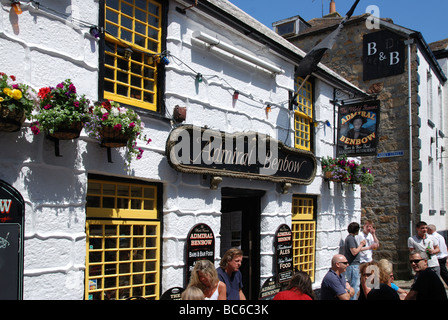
{"points": [[46, 50], [431, 93]]}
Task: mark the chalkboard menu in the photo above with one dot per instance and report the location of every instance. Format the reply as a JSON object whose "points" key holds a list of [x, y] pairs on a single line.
{"points": [[200, 246], [11, 242], [284, 257]]}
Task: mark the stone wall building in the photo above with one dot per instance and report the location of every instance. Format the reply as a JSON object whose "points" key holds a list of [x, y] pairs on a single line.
{"points": [[396, 65]]}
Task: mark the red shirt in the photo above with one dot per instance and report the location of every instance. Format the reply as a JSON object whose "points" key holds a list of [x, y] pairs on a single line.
{"points": [[293, 294]]}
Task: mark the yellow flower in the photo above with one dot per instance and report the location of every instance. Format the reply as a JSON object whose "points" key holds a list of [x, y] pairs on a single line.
{"points": [[1, 99], [7, 91], [17, 94]]}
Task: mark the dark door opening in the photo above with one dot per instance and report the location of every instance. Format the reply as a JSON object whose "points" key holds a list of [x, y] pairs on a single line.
{"points": [[240, 228]]}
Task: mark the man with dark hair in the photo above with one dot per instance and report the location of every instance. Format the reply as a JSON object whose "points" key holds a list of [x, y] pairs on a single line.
{"points": [[351, 252], [229, 273], [427, 285], [423, 242]]}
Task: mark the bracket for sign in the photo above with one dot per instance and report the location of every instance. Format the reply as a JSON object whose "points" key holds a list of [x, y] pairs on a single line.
{"points": [[109, 155]]}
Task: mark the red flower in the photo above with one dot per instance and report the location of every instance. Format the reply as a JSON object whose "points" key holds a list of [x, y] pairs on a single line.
{"points": [[43, 92], [13, 78], [117, 127], [106, 104]]}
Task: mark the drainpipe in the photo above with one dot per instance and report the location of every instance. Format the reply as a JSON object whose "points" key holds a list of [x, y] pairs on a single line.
{"points": [[409, 42]]}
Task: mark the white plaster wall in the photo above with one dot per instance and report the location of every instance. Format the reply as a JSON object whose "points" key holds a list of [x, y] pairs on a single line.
{"points": [[45, 50], [429, 149]]}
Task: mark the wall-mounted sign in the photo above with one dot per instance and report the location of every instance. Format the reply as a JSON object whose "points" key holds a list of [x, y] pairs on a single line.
{"points": [[358, 128], [247, 155], [12, 209], [284, 254], [390, 154], [269, 289], [383, 55], [200, 245]]}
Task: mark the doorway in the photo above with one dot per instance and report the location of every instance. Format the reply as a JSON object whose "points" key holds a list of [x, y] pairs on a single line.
{"points": [[240, 228]]}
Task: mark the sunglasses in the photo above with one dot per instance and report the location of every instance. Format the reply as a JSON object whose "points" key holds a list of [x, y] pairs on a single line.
{"points": [[344, 262], [416, 261]]}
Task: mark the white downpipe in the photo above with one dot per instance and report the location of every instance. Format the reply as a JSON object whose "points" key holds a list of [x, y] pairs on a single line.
{"points": [[411, 188]]}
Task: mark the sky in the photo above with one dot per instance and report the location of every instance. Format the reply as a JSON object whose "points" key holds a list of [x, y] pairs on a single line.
{"points": [[426, 16]]}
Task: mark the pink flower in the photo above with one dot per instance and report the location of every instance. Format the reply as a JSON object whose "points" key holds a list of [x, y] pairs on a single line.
{"points": [[105, 117], [48, 106], [139, 156], [76, 104], [132, 125], [149, 140], [34, 128], [117, 127]]}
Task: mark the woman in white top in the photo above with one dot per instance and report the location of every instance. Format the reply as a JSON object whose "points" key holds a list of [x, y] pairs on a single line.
{"points": [[205, 277]]}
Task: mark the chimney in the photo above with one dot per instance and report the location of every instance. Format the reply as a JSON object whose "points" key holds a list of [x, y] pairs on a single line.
{"points": [[332, 7]]}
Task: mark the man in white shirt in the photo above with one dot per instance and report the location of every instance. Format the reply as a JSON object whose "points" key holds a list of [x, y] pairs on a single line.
{"points": [[372, 242], [443, 254], [423, 242]]}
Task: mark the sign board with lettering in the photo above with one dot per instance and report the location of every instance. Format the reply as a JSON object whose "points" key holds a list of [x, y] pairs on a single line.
{"points": [[383, 55], [200, 245], [173, 294], [12, 209], [358, 128], [247, 155], [269, 289], [284, 254]]}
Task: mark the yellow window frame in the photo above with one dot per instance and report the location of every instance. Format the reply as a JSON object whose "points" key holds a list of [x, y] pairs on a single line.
{"points": [[107, 199], [304, 235], [132, 80], [303, 115], [123, 259]]}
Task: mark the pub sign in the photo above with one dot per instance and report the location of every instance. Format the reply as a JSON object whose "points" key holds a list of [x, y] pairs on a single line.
{"points": [[284, 254], [383, 55], [358, 128]]}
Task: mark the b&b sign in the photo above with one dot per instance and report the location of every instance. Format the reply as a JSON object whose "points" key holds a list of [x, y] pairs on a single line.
{"points": [[383, 53]]}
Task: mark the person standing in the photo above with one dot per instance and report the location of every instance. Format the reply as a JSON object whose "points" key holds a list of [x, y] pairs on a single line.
{"points": [[427, 285], [443, 254], [334, 286], [423, 242], [367, 233], [229, 273], [351, 251]]}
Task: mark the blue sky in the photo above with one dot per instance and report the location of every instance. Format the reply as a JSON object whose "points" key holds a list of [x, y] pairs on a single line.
{"points": [[427, 16]]}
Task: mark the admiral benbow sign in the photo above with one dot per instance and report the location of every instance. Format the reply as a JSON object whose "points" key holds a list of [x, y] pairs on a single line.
{"points": [[248, 155]]}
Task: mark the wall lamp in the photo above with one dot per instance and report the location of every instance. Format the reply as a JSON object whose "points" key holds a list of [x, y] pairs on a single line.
{"points": [[237, 52]]}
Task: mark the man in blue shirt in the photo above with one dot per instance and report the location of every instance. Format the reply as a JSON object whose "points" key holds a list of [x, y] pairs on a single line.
{"points": [[229, 273], [334, 286]]}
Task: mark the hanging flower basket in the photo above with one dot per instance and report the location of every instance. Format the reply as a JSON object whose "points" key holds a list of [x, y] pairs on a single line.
{"points": [[346, 171], [115, 127], [17, 101], [62, 112], [11, 120], [112, 138]]}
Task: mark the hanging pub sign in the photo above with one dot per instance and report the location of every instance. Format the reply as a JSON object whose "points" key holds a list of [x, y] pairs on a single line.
{"points": [[12, 209], [284, 257], [248, 155], [358, 128], [200, 246], [383, 55]]}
